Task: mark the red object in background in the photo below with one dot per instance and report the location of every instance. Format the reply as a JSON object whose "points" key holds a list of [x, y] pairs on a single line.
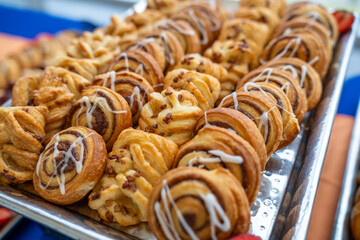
{"points": [[5, 216], [246, 237], [344, 19]]}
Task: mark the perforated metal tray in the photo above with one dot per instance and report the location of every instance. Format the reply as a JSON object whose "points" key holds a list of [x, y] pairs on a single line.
{"points": [[288, 185]]}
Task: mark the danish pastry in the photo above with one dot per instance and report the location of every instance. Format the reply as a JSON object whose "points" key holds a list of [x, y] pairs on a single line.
{"points": [[172, 114], [259, 14], [278, 6], [22, 90]]}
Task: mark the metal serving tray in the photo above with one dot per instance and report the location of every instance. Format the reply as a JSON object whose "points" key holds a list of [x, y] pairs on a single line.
{"points": [[289, 182], [342, 221]]}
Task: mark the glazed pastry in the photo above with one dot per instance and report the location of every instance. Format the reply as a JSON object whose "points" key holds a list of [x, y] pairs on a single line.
{"points": [[140, 63], [137, 161], [236, 57], [22, 133], [204, 87], [201, 64], [235, 121], [133, 87], [209, 205], [301, 45], [215, 147], [306, 25], [262, 111], [70, 166], [172, 114], [276, 6], [306, 75], [205, 21], [184, 32], [259, 14], [315, 13], [22, 90], [102, 110], [255, 34], [87, 68], [291, 126], [285, 81]]}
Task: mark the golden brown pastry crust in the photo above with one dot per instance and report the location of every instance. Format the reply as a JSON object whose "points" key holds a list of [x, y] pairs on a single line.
{"points": [[278, 6], [259, 14], [22, 90], [172, 114], [195, 193]]}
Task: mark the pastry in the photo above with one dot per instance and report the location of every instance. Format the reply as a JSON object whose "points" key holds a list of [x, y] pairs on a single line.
{"points": [[120, 27], [133, 87], [291, 126], [306, 75], [184, 32], [354, 221], [277, 6], [238, 122], [259, 14], [285, 81], [192, 203], [236, 57], [215, 147], [137, 161], [22, 133], [148, 16], [85, 67], [140, 63], [204, 87], [172, 114], [22, 90], [300, 45], [70, 165], [102, 110], [262, 111]]}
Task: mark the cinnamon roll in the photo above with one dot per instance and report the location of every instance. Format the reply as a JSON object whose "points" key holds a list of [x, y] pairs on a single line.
{"points": [[300, 45], [205, 204], [204, 87], [184, 32], [102, 110], [306, 75], [259, 14], [133, 87], [291, 126], [23, 89], [285, 81], [235, 121], [236, 57], [137, 161], [142, 64], [70, 166], [278, 6], [172, 114], [262, 111]]}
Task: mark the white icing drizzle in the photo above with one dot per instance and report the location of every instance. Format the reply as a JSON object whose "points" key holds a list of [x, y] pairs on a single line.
{"points": [[292, 69], [140, 70], [205, 38], [264, 121], [218, 218], [206, 120], [314, 16], [286, 49], [287, 31], [295, 74], [269, 72], [167, 24], [90, 108], [112, 76], [65, 161], [286, 87], [220, 157], [158, 85], [314, 60], [233, 95]]}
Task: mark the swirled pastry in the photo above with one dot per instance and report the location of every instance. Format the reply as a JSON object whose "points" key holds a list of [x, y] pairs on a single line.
{"points": [[137, 161], [133, 87], [140, 63], [235, 121], [291, 126], [208, 205], [306, 75], [277, 6], [120, 27], [236, 57], [22, 133], [184, 32], [204, 87], [85, 67], [301, 45], [23, 89], [259, 14], [215, 147], [262, 111], [102, 110], [70, 166], [148, 16], [285, 81], [172, 114]]}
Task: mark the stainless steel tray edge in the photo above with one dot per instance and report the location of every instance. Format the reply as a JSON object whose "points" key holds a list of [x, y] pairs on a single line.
{"points": [[341, 230], [309, 176]]}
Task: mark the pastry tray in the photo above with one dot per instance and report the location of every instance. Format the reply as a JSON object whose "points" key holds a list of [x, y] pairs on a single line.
{"points": [[341, 228], [288, 185]]}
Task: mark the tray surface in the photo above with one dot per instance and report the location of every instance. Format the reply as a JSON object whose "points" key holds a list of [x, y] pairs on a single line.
{"points": [[294, 169]]}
